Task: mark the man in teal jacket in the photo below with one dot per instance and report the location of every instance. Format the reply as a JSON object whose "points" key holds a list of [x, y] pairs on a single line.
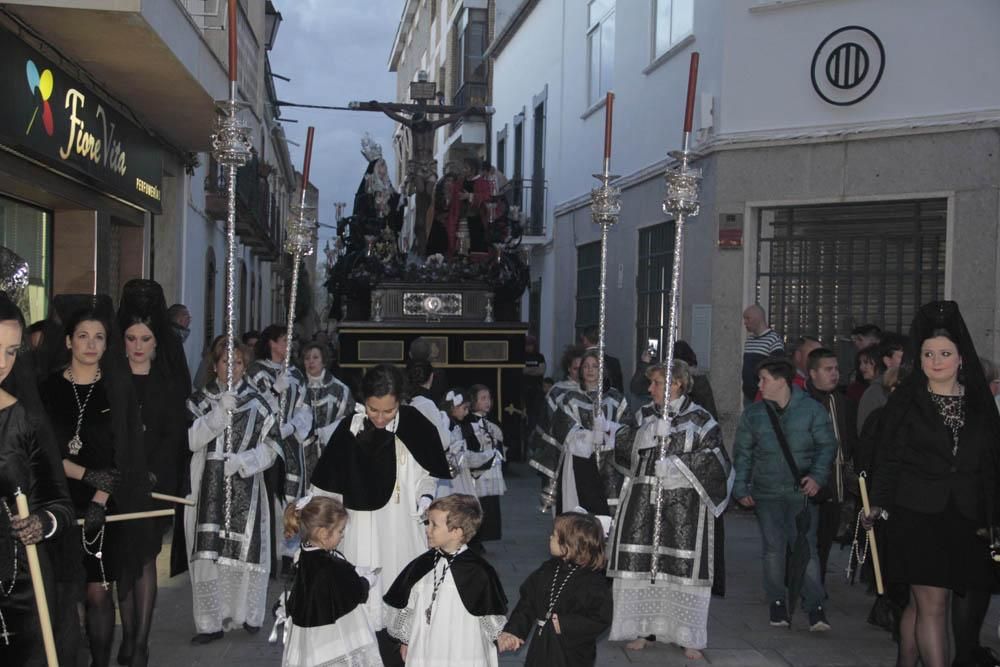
{"points": [[764, 480]]}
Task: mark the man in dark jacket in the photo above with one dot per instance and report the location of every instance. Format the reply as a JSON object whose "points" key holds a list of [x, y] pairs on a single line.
{"points": [[765, 482], [824, 377]]}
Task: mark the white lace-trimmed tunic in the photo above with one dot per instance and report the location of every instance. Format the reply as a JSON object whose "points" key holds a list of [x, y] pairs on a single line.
{"points": [[454, 637], [393, 535]]}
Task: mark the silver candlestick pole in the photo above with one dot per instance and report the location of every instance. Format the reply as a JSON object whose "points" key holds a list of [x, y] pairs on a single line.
{"points": [[681, 202], [300, 241], [231, 148], [605, 206]]}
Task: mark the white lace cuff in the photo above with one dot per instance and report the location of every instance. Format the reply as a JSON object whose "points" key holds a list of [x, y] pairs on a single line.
{"points": [[398, 622], [492, 626]]}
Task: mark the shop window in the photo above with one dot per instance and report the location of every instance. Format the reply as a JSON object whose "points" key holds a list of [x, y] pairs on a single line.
{"points": [[27, 231], [822, 270], [588, 283], [652, 284]]}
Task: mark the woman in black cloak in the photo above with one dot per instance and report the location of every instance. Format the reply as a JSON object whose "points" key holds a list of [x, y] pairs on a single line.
{"points": [[161, 382], [938, 466], [29, 461], [92, 408]]}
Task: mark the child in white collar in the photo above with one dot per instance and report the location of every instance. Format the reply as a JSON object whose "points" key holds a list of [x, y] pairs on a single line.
{"points": [[447, 606]]}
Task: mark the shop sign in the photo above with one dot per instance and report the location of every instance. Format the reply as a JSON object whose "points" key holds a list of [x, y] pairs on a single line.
{"points": [[51, 116]]}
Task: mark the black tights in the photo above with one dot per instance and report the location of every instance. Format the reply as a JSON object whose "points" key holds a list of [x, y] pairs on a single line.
{"points": [[100, 623], [968, 612], [136, 606]]}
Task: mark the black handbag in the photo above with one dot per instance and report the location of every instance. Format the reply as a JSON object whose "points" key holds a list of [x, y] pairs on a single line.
{"points": [[825, 493]]}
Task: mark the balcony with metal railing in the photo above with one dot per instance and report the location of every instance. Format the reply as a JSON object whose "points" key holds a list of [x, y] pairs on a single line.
{"points": [[470, 94], [527, 199], [258, 213]]}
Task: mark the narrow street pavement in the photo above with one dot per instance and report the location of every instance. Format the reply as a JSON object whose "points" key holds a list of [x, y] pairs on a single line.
{"points": [[739, 634]]}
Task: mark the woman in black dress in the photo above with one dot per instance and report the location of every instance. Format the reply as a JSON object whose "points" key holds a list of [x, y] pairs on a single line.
{"points": [[937, 475], [160, 381], [95, 417], [29, 461]]}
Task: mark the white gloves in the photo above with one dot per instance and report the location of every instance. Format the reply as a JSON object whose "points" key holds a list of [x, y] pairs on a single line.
{"points": [[301, 420], [286, 430], [231, 466], [281, 382], [661, 429], [227, 401], [423, 504], [217, 416]]}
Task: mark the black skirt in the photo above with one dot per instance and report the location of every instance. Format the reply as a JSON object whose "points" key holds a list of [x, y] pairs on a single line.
{"points": [[490, 529], [940, 550]]}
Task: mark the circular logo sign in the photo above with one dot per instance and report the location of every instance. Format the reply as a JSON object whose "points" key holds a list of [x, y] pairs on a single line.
{"points": [[847, 65]]}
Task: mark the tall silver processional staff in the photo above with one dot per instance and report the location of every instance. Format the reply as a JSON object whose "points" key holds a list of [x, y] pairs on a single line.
{"points": [[231, 148], [300, 241], [605, 206], [681, 202]]}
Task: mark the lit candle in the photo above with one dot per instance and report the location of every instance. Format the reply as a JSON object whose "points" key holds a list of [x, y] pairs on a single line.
{"points": [[692, 85], [233, 12], [308, 158], [609, 104]]}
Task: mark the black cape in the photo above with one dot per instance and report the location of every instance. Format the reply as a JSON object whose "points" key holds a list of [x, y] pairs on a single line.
{"points": [[325, 588], [362, 468], [584, 609], [477, 582]]}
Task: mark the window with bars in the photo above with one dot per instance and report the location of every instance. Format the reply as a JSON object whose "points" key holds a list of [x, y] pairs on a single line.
{"points": [[652, 284], [535, 307], [588, 283], [822, 270], [209, 305]]}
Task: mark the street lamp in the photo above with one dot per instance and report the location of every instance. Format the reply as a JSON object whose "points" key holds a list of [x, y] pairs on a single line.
{"points": [[272, 19]]}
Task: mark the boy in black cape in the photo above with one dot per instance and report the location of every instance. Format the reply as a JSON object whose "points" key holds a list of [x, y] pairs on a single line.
{"points": [[447, 606]]}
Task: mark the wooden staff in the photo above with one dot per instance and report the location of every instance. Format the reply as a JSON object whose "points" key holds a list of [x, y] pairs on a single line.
{"points": [[41, 601], [171, 499], [131, 516], [871, 537]]}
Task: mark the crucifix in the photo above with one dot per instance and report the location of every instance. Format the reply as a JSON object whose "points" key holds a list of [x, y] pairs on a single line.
{"points": [[421, 168]]}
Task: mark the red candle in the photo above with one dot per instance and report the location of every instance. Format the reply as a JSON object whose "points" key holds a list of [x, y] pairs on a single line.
{"points": [[692, 85], [233, 13], [308, 159], [609, 104]]}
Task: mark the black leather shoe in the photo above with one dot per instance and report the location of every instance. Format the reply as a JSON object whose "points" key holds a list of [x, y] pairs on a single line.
{"points": [[251, 629], [206, 637]]}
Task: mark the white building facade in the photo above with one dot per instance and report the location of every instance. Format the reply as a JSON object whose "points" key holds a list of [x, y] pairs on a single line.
{"points": [[850, 166]]}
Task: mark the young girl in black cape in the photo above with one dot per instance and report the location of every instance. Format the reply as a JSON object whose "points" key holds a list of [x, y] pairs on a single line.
{"points": [[566, 603], [326, 618]]}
